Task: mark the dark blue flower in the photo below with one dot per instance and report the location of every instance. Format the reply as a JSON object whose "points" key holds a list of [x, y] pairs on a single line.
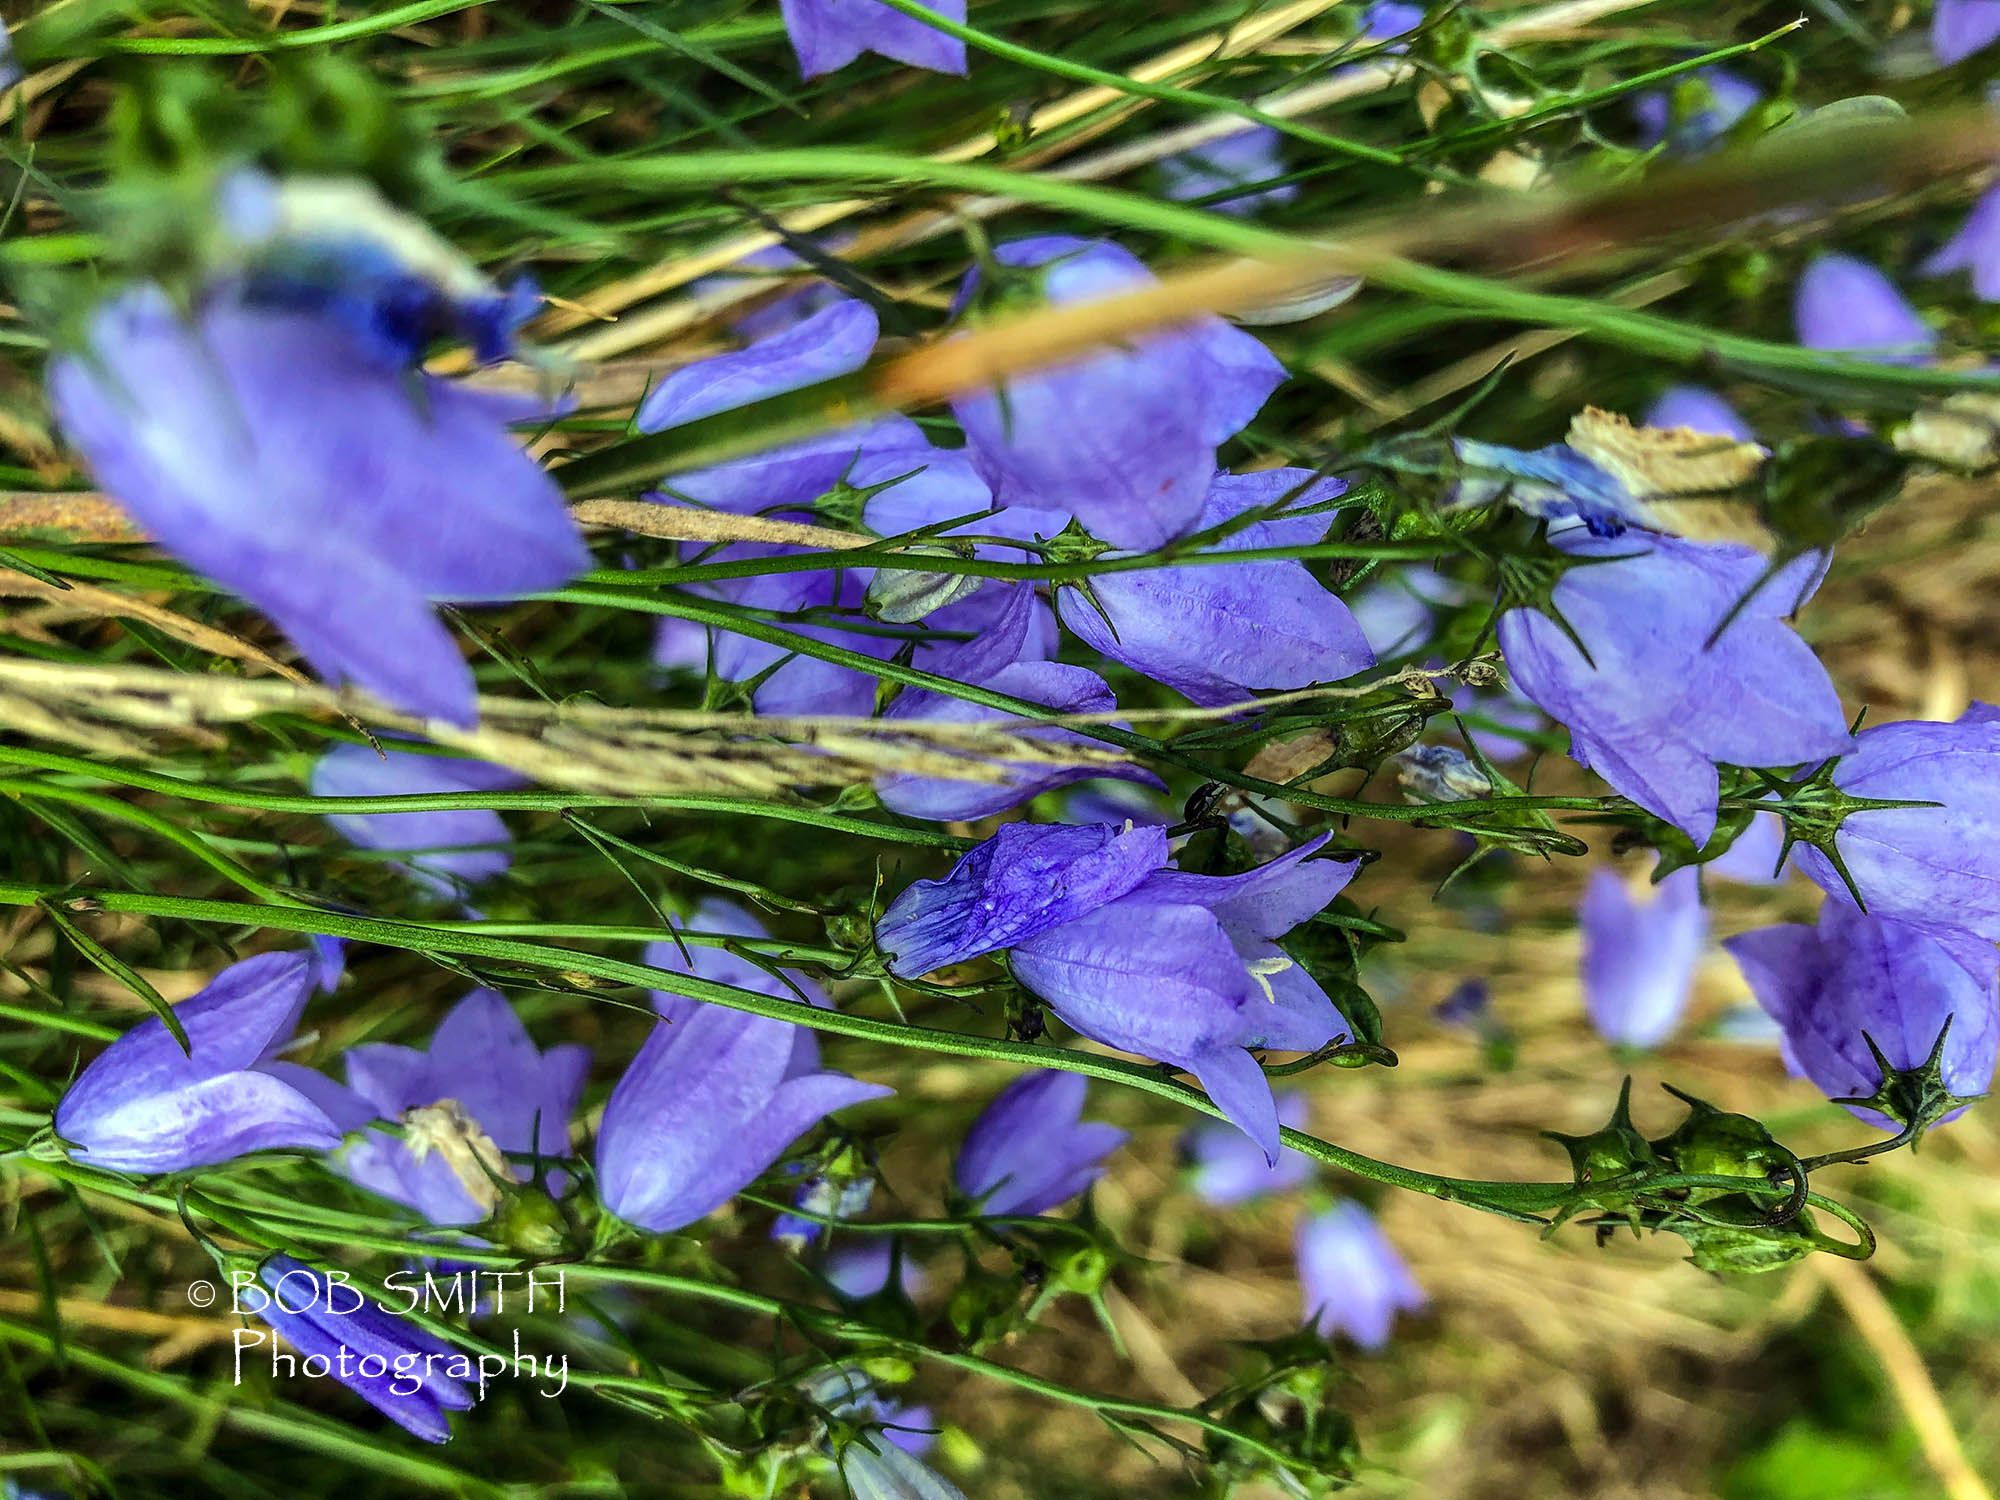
{"points": [[328, 1320], [145, 1106]]}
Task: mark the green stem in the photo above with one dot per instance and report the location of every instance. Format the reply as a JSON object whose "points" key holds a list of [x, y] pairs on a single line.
{"points": [[1515, 1200]]}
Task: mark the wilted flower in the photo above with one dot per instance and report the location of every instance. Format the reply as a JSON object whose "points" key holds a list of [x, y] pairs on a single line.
{"points": [[884, 1471], [1847, 305], [1123, 440], [1699, 410], [1218, 632], [482, 1092], [1229, 1168], [1181, 967], [1354, 1281], [1441, 773], [309, 466], [1855, 973], [705, 1108], [449, 850], [1938, 867], [329, 1321], [1240, 160], [1656, 707], [1639, 957], [145, 1106], [1960, 28], [830, 34], [1696, 112], [1030, 1150], [1976, 246]]}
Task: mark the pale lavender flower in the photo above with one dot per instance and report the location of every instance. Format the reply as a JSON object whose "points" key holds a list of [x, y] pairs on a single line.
{"points": [[1730, 97], [280, 453], [1976, 246], [1229, 1168], [145, 1106], [1217, 633], [886, 1472], [1639, 956], [1030, 1150], [1699, 410], [1237, 161], [830, 34], [708, 1105], [1854, 973], [1846, 305], [1124, 440], [1960, 28], [1353, 1280], [448, 850], [1937, 867], [1655, 707]]}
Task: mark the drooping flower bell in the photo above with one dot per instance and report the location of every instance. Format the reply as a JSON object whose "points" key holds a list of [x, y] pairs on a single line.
{"points": [[1125, 439], [144, 1105], [883, 1470], [327, 1320], [1217, 632], [1976, 246], [1853, 974], [1655, 706], [1229, 1168], [1640, 954], [1176, 966], [708, 1105], [1353, 1280], [293, 452], [1937, 867], [830, 34], [1846, 305], [448, 850], [1960, 28], [1030, 1150], [482, 1092]]}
